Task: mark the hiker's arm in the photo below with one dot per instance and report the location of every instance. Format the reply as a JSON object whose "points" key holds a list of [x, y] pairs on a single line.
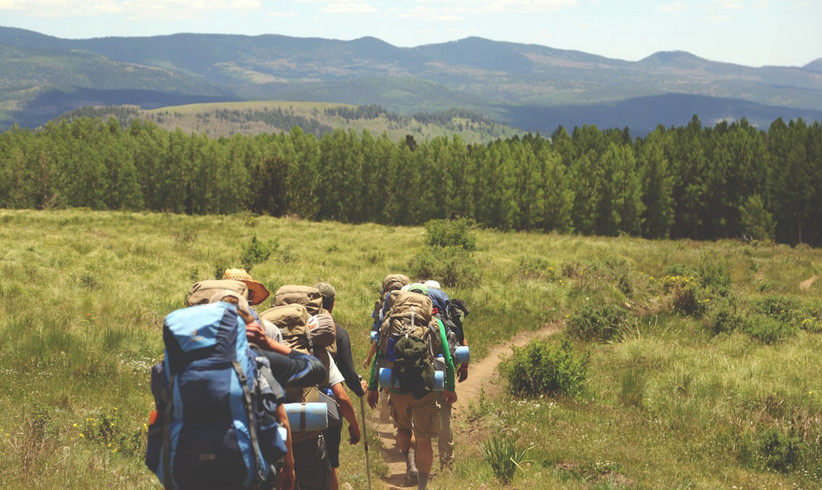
{"points": [[286, 477], [371, 353], [462, 371], [373, 383], [295, 369], [446, 354], [449, 362], [347, 411], [346, 363]]}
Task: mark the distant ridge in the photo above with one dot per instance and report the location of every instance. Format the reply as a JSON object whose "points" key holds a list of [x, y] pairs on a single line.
{"points": [[527, 86]]}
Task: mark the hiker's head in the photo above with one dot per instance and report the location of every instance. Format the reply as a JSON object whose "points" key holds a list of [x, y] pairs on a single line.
{"points": [[257, 292], [329, 295], [418, 287], [432, 284], [236, 298]]}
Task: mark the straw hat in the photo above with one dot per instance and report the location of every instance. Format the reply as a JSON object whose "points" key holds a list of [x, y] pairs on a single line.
{"points": [[257, 293]]}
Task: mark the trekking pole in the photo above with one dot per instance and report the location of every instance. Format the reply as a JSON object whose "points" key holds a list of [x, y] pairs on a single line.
{"points": [[365, 440]]}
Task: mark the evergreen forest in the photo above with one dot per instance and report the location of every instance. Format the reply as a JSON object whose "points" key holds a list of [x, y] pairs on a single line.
{"points": [[730, 180]]}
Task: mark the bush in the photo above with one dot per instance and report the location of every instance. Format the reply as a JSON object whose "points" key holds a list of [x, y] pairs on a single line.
{"points": [[254, 253], [779, 308], [543, 367], [451, 233], [766, 329], [779, 451], [714, 278], [684, 294], [593, 322], [451, 266], [723, 317]]}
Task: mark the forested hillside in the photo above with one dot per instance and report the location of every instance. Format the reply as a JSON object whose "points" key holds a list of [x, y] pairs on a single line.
{"points": [[729, 180], [529, 87]]}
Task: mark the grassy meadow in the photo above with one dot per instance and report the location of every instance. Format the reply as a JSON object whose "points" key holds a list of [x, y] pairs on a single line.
{"points": [[703, 366], [211, 119]]}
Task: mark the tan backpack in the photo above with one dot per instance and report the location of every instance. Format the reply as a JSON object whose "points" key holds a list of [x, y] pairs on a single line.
{"points": [[308, 296], [411, 314], [201, 292], [293, 322]]}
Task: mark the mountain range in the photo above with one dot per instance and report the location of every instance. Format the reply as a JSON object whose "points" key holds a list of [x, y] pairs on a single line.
{"points": [[530, 87]]}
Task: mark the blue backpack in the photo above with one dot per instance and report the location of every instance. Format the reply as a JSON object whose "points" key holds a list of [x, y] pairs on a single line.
{"points": [[215, 424]]}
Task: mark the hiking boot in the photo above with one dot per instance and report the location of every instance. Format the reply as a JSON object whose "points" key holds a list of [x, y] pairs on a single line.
{"points": [[447, 465], [411, 477]]}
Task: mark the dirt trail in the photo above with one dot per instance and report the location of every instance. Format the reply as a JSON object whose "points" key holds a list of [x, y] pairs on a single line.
{"points": [[807, 283], [483, 379]]}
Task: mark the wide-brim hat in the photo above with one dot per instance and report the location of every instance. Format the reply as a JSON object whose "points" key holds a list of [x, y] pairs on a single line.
{"points": [[257, 292]]}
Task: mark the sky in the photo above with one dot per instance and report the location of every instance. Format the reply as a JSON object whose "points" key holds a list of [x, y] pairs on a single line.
{"points": [[744, 32]]}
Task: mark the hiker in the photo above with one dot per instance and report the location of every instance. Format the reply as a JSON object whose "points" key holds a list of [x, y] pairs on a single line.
{"points": [[391, 284], [408, 339], [218, 421], [313, 464], [456, 337], [288, 367], [257, 293], [307, 326], [345, 363]]}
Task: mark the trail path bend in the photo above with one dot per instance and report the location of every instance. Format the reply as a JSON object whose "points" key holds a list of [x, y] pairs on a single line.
{"points": [[483, 380], [807, 283]]}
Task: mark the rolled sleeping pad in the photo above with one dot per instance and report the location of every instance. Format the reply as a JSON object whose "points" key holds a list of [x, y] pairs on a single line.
{"points": [[385, 380], [461, 355], [309, 416]]}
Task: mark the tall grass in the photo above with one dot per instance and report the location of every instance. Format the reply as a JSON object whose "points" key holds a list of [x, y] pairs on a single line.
{"points": [[670, 400]]}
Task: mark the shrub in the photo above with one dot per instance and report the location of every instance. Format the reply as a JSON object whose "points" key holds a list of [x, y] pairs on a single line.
{"points": [[451, 233], [766, 329], [543, 367], [593, 322], [779, 308], [254, 253], [779, 451], [503, 452], [684, 294], [714, 278], [723, 317], [452, 266]]}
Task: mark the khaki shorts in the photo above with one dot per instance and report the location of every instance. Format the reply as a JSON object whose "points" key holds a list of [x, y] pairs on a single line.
{"points": [[422, 416]]}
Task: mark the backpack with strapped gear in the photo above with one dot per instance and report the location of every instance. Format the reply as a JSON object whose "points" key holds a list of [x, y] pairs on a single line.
{"points": [[409, 337], [294, 323], [451, 312], [390, 284], [308, 296], [215, 425], [202, 291]]}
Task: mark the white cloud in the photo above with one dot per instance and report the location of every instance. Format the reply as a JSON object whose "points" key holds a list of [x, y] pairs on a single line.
{"points": [[349, 8], [672, 7], [142, 9], [730, 4]]}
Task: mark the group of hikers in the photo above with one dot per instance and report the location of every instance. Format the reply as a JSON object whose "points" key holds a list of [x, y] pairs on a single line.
{"points": [[266, 409]]}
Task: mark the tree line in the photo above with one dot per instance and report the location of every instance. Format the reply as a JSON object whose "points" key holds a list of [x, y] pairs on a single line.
{"points": [[731, 180]]}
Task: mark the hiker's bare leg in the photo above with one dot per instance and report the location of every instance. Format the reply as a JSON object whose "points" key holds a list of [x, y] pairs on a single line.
{"points": [[335, 482], [425, 457]]}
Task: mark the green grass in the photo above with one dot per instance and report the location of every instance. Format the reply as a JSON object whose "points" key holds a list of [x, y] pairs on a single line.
{"points": [[668, 402]]}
